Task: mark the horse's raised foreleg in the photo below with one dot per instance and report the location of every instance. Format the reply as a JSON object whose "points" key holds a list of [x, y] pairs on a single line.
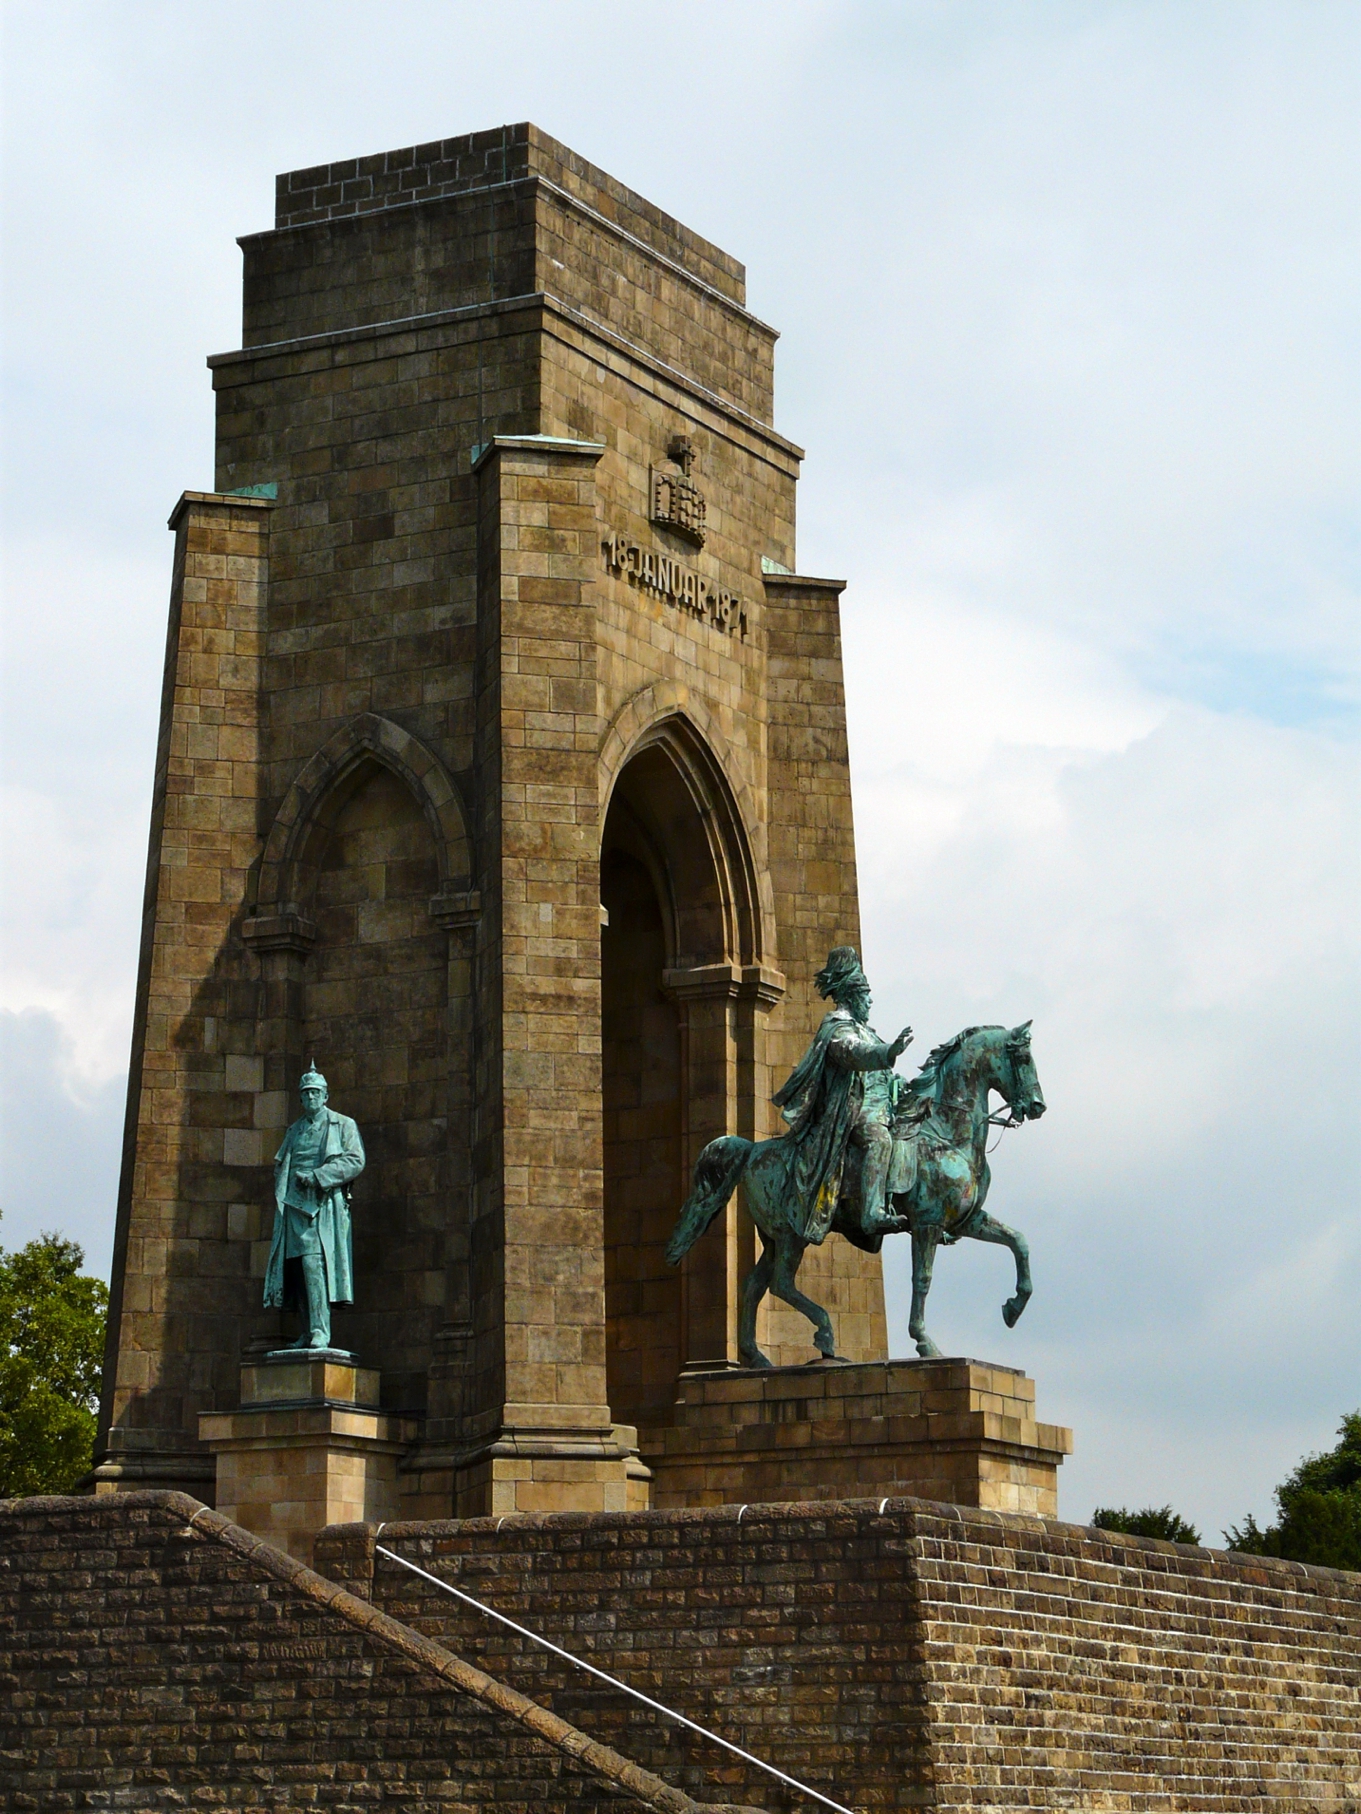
{"points": [[788, 1256], [754, 1288], [923, 1264], [989, 1229]]}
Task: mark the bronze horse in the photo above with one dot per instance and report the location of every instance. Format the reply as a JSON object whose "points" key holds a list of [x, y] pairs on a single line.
{"points": [[938, 1186]]}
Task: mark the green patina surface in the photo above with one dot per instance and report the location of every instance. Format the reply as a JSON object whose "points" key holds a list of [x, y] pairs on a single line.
{"points": [[868, 1154]]}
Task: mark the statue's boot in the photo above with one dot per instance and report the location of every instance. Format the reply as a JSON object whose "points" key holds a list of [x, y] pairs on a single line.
{"points": [[318, 1301]]}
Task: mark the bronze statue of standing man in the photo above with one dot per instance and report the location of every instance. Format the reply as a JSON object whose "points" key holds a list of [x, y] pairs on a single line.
{"points": [[311, 1264]]}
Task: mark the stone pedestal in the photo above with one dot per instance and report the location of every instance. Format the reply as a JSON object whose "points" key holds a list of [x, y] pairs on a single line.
{"points": [[957, 1430], [531, 1466], [309, 1447]]}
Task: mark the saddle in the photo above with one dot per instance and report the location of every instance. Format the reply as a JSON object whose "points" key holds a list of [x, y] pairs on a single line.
{"points": [[902, 1168], [907, 1127], [909, 1123]]}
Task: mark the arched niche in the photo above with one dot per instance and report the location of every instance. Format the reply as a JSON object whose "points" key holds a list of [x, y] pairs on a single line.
{"points": [[683, 977], [320, 789], [360, 924]]}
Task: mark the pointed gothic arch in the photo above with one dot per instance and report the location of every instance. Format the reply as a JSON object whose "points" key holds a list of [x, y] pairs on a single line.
{"points": [[363, 905], [320, 789], [670, 719], [687, 943]]}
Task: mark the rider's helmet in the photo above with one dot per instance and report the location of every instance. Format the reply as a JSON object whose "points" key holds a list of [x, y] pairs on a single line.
{"points": [[841, 975]]}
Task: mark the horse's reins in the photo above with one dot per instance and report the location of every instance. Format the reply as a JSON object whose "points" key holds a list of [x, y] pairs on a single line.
{"points": [[1004, 1121]]}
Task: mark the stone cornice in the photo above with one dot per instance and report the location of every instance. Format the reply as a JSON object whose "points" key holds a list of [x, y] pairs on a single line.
{"points": [[732, 982], [800, 582], [220, 500], [197, 1522], [556, 308], [279, 932], [572, 203]]}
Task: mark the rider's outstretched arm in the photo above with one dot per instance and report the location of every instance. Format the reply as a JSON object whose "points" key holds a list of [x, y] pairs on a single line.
{"points": [[852, 1050]]}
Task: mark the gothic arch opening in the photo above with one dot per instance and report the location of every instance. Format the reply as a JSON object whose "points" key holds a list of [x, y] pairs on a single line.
{"points": [[373, 1009], [681, 921]]}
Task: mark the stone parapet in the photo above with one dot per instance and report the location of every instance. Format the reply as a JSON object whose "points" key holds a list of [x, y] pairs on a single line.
{"points": [[157, 1655], [954, 1430], [897, 1654]]}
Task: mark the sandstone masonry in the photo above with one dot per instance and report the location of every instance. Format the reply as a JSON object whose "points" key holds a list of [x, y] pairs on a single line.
{"points": [[893, 1655], [905, 1653], [502, 768]]}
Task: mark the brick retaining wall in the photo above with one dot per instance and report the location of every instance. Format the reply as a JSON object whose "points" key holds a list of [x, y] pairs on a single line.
{"points": [[913, 1655], [923, 1656], [150, 1663]]}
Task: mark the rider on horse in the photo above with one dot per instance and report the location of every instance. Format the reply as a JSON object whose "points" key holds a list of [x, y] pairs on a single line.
{"points": [[842, 1095], [859, 1140]]}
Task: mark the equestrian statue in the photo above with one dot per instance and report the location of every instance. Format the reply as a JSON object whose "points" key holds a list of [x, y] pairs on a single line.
{"points": [[869, 1153]]}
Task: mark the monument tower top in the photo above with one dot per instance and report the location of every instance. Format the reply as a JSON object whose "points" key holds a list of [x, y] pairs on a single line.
{"points": [[484, 160]]}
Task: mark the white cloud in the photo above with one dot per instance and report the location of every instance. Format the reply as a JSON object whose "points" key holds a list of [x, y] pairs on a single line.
{"points": [[1177, 916], [1067, 296], [84, 645], [60, 1140]]}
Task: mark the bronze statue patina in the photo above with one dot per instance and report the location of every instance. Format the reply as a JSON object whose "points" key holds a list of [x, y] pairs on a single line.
{"points": [[868, 1154], [310, 1259], [839, 1103]]}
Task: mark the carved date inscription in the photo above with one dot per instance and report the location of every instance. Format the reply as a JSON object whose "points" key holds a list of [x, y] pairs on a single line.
{"points": [[668, 578]]}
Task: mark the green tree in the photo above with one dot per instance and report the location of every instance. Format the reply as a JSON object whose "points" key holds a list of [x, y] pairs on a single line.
{"points": [[1318, 1509], [51, 1353], [1153, 1521]]}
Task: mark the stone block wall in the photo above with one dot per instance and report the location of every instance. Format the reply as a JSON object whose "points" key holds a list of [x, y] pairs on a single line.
{"points": [[183, 1231], [904, 1655], [478, 160], [911, 1654], [1068, 1667], [154, 1656], [538, 1355], [813, 878], [953, 1430]]}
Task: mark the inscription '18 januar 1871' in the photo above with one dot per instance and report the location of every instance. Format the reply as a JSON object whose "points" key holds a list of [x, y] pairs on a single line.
{"points": [[668, 578]]}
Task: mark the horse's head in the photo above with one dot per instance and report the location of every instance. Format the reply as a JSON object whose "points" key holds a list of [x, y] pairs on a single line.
{"points": [[1017, 1081], [978, 1060]]}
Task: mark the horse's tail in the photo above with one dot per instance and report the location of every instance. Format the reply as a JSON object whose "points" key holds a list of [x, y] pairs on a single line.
{"points": [[717, 1171]]}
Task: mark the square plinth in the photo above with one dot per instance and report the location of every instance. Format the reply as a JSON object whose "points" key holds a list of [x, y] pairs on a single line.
{"points": [[309, 1375], [309, 1447], [957, 1430]]}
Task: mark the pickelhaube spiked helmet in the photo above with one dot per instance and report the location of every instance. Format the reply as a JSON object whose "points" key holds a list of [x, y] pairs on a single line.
{"points": [[312, 1078]]}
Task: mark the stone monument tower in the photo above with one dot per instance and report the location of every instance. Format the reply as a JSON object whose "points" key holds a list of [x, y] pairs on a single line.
{"points": [[502, 767]]}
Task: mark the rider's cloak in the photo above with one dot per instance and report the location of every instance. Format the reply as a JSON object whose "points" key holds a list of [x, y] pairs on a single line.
{"points": [[821, 1102]]}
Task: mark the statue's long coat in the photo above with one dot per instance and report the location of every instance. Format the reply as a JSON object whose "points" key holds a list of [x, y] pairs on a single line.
{"points": [[821, 1102], [342, 1158]]}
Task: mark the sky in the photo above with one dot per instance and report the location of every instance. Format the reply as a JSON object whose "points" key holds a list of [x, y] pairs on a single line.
{"points": [[1068, 300]]}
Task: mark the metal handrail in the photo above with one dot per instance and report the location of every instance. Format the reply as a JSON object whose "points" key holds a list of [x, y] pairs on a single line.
{"points": [[614, 1681]]}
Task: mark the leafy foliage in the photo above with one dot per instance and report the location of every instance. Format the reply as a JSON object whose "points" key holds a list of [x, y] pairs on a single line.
{"points": [[51, 1353], [1319, 1509], [1153, 1521]]}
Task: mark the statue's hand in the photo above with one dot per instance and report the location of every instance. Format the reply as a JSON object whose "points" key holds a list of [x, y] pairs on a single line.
{"points": [[902, 1042]]}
